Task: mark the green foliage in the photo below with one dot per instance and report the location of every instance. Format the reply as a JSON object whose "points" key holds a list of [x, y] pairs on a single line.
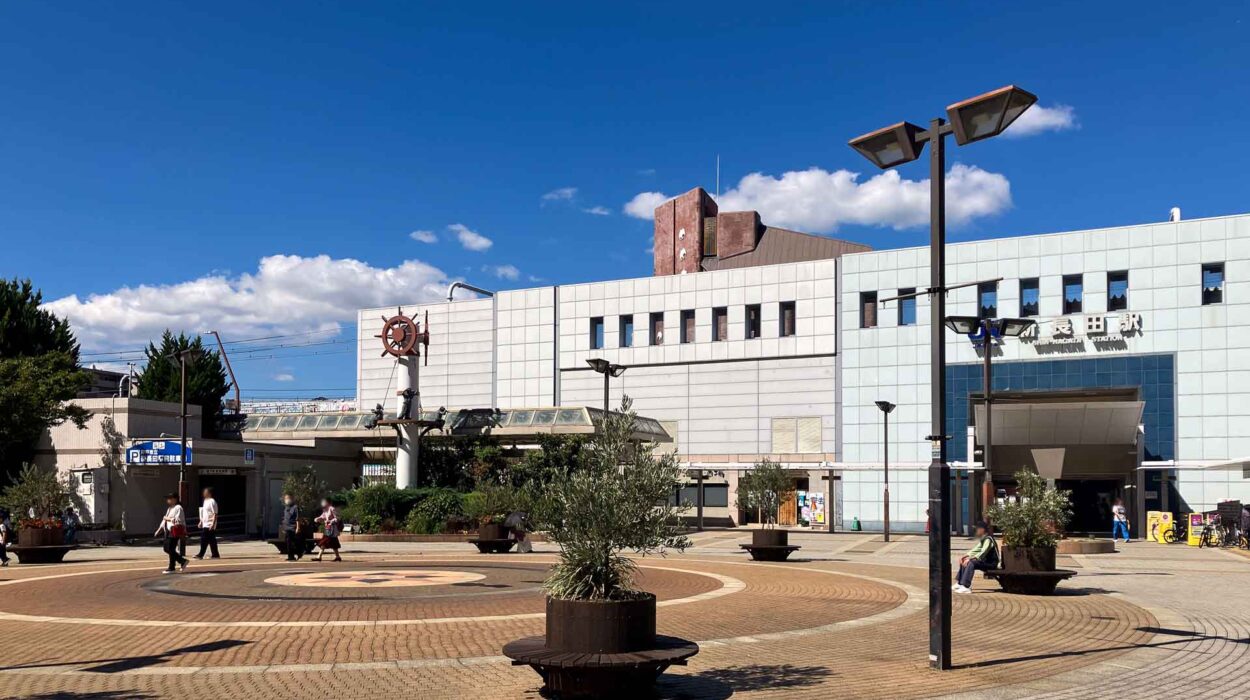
{"points": [[1036, 517], [39, 374], [161, 378], [40, 489], [382, 507], [761, 488], [557, 457], [380, 501], [307, 488], [617, 501], [430, 515], [492, 503]]}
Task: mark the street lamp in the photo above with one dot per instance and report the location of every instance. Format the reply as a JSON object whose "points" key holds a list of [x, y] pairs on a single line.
{"points": [[985, 330], [886, 407], [972, 120], [607, 369]]}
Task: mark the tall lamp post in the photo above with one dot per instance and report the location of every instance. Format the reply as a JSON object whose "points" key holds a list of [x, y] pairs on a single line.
{"points": [[608, 370], [886, 407], [974, 119], [180, 359]]}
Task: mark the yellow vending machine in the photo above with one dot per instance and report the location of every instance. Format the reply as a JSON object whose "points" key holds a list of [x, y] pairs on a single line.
{"points": [[1197, 521], [1158, 523]]}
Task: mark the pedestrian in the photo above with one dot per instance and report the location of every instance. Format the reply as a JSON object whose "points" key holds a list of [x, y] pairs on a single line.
{"points": [[6, 535], [208, 524], [291, 528], [330, 529], [174, 527], [982, 557], [71, 523], [1119, 521], [1245, 524], [517, 523]]}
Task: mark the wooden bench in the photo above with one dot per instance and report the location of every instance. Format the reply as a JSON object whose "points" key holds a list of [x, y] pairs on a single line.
{"points": [[310, 545], [41, 553], [627, 675], [1029, 582], [493, 546], [770, 552]]}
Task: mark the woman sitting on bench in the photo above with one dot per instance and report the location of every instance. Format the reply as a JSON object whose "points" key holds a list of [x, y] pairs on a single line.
{"points": [[982, 557]]}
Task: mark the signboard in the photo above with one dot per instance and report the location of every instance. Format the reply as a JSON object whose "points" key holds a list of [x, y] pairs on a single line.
{"points": [[816, 499], [143, 472], [249, 455], [217, 471], [1102, 330], [156, 452]]}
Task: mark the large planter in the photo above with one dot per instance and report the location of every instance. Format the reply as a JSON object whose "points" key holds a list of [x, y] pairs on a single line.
{"points": [[1028, 558], [492, 531], [770, 538], [601, 627], [40, 537]]}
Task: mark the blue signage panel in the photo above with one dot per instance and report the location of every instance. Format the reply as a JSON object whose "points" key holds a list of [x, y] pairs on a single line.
{"points": [[156, 452]]}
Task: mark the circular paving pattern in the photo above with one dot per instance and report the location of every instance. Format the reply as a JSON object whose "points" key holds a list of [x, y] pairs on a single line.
{"points": [[391, 578]]}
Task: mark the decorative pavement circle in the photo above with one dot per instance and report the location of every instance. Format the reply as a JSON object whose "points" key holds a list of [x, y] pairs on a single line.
{"points": [[376, 579]]}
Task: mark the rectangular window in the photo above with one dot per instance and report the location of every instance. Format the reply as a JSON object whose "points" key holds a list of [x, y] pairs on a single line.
{"points": [[1117, 290], [1213, 283], [687, 326], [1073, 293], [1030, 297], [627, 331], [720, 323], [714, 496], [987, 300], [657, 328], [596, 333], [907, 308], [787, 320], [796, 435], [867, 309], [753, 321]]}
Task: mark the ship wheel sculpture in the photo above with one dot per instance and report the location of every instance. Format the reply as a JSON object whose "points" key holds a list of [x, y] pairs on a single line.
{"points": [[401, 336]]}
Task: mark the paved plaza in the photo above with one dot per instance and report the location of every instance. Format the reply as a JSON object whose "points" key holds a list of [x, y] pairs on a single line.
{"points": [[846, 619]]}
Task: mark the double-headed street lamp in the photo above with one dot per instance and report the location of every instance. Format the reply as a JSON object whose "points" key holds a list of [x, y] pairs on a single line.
{"points": [[972, 120], [886, 408], [608, 370]]}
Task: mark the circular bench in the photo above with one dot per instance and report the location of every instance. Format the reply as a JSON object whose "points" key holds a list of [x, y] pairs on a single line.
{"points": [[492, 546], [770, 552], [1029, 582], [599, 675], [41, 553]]}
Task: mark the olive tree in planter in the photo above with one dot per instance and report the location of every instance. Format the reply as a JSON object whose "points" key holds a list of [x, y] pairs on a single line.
{"points": [[1031, 523], [36, 500], [761, 489], [617, 502]]}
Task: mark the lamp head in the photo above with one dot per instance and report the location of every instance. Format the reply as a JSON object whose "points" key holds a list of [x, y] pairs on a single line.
{"points": [[891, 146], [988, 115], [964, 325], [1013, 327], [885, 406], [599, 365]]}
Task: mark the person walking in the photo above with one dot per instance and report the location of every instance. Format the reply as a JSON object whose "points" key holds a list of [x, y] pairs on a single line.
{"points": [[6, 535], [71, 523], [174, 527], [208, 524], [984, 556], [1119, 521], [291, 528], [330, 530]]}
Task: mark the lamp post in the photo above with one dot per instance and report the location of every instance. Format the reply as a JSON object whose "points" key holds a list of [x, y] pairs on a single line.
{"points": [[974, 119], [886, 407], [180, 359], [608, 370]]}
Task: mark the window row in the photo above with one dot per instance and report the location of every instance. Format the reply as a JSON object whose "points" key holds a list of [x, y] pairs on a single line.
{"points": [[786, 325], [1030, 296]]}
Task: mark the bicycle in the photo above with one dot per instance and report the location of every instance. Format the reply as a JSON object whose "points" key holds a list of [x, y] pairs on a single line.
{"points": [[1210, 536], [1176, 533]]}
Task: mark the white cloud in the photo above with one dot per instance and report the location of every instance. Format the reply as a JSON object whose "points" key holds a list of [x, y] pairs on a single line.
{"points": [[643, 205], [284, 377], [471, 240], [503, 272], [423, 236], [819, 201], [561, 194], [287, 294], [598, 211], [1037, 119]]}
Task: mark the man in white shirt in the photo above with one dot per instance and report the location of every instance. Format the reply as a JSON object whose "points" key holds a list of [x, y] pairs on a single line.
{"points": [[208, 525]]}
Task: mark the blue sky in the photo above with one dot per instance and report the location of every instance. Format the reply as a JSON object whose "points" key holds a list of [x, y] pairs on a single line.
{"points": [[262, 168]]}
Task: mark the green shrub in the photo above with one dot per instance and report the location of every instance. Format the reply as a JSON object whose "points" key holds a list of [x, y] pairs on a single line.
{"points": [[491, 503], [381, 501], [1035, 518]]}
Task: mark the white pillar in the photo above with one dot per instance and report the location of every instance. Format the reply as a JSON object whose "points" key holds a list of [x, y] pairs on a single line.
{"points": [[405, 458]]}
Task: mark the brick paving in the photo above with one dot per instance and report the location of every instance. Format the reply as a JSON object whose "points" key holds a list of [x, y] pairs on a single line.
{"points": [[848, 620]]}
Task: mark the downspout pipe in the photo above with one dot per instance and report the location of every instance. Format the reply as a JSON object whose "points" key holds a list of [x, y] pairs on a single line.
{"points": [[451, 289]]}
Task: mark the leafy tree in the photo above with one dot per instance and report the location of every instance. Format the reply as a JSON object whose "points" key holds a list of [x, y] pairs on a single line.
{"points": [[1035, 518], [617, 501], [39, 374], [40, 490], [161, 378], [307, 488], [760, 489]]}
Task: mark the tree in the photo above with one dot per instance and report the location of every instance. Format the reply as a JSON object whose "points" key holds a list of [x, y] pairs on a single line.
{"points": [[1035, 518], [760, 490], [617, 501], [40, 491], [161, 378], [307, 488], [39, 374]]}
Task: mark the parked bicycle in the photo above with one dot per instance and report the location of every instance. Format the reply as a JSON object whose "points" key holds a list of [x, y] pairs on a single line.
{"points": [[1177, 533]]}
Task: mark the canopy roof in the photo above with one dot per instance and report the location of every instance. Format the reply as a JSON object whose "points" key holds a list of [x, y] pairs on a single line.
{"points": [[1063, 423]]}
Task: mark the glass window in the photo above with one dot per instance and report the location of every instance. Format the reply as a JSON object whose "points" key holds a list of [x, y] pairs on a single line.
{"points": [[627, 331], [787, 319], [1030, 297], [657, 328], [753, 321], [987, 300], [1073, 293], [720, 323], [687, 326], [867, 309], [907, 308], [596, 333], [1213, 283], [1117, 290]]}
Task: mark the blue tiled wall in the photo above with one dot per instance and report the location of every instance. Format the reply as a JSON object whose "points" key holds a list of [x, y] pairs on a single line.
{"points": [[1155, 374]]}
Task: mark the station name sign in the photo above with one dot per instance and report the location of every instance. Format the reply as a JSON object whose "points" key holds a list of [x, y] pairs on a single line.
{"points": [[156, 452], [1109, 329]]}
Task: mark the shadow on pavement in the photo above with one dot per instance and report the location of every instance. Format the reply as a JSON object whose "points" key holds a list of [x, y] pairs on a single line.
{"points": [[130, 663], [721, 683], [1187, 637], [97, 695]]}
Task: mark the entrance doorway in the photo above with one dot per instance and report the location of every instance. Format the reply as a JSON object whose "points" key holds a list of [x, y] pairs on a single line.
{"points": [[1091, 503], [230, 493]]}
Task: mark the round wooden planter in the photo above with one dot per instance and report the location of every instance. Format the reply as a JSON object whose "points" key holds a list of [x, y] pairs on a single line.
{"points": [[492, 531], [1029, 571], [1028, 558], [601, 627], [40, 537], [770, 538]]}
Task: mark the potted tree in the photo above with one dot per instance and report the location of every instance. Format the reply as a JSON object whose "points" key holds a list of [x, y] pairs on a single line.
{"points": [[37, 499], [1031, 523], [489, 507], [760, 490], [600, 627]]}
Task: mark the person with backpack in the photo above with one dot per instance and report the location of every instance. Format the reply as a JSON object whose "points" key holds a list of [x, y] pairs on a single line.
{"points": [[329, 519], [982, 557]]}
